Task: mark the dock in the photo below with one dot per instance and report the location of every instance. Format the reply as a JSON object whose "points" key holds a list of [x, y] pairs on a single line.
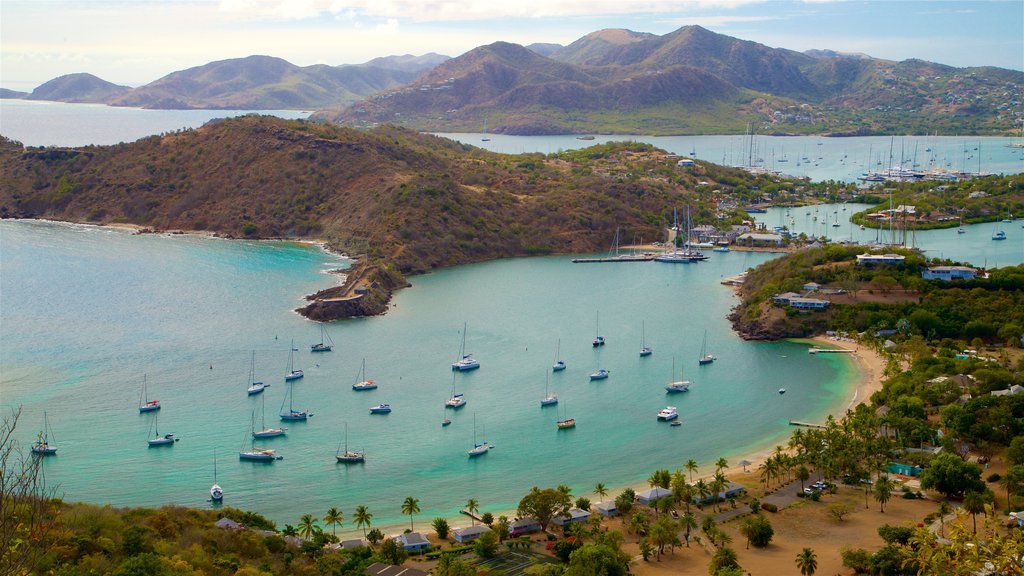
{"points": [[829, 351], [806, 424], [637, 258]]}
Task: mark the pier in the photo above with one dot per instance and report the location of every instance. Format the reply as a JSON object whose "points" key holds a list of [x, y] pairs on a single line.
{"points": [[637, 258], [806, 424], [829, 351]]}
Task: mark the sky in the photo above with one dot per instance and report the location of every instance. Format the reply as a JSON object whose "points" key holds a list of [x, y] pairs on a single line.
{"points": [[134, 42]]}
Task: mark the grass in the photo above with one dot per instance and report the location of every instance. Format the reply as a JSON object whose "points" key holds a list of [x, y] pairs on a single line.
{"points": [[514, 563]]}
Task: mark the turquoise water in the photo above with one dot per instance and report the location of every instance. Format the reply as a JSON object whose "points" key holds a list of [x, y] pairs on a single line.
{"points": [[975, 246], [843, 159], [85, 312], [40, 123]]}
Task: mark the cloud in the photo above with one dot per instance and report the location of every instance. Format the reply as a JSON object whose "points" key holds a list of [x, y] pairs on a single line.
{"points": [[721, 20]]}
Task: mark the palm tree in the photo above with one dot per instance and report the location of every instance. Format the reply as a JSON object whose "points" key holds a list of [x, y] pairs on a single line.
{"points": [[943, 510], [307, 525], [703, 490], [807, 562], [688, 522], [600, 490], [691, 466], [334, 518], [472, 506], [883, 491], [410, 506], [802, 474], [721, 464], [974, 502], [363, 518]]}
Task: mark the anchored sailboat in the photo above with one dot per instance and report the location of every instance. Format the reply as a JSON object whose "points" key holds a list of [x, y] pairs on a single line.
{"points": [[456, 400], [598, 339], [216, 492], [254, 387], [705, 357], [477, 449], [158, 440], [325, 343], [678, 385], [349, 456], [465, 361], [292, 373], [42, 444], [565, 423], [645, 350], [364, 383], [559, 365], [549, 399], [265, 432], [145, 404], [292, 413]]}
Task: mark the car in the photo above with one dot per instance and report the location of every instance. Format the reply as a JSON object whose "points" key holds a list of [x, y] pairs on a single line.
{"points": [[809, 490]]}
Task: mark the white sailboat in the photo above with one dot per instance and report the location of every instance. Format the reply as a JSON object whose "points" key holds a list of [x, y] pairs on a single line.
{"points": [[549, 399], [255, 387], [257, 454], [161, 440], [456, 400], [292, 373], [42, 445], [216, 492], [465, 361], [349, 456], [559, 364], [325, 343], [675, 386], [145, 404], [292, 413], [477, 449], [705, 357], [362, 382], [265, 432], [645, 350]]}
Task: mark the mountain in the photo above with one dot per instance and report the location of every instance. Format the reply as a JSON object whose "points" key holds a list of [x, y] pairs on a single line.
{"points": [[692, 80], [8, 93], [262, 83], [544, 48], [79, 87], [406, 62]]}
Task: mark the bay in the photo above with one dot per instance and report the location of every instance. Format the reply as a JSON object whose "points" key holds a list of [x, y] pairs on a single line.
{"points": [[815, 157], [86, 312], [41, 123]]}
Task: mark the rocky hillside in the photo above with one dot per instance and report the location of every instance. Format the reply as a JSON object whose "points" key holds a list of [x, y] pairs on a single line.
{"points": [[79, 87], [693, 81]]}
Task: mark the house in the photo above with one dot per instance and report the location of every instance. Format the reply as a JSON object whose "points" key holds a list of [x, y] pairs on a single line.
{"points": [[469, 533], [575, 515], [811, 286], [784, 298], [685, 162], [731, 490], [808, 303], [647, 496], [948, 273], [878, 259], [524, 526], [759, 239], [378, 569], [352, 544], [607, 508], [903, 469], [1011, 391], [412, 541]]}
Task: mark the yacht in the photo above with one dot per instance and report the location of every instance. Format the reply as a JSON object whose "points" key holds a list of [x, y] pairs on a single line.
{"points": [[381, 409], [456, 401], [676, 386], [668, 413], [466, 362], [599, 375], [349, 456], [999, 235], [364, 383], [259, 455]]}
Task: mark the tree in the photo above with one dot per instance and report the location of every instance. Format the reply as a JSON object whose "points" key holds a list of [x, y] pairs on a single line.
{"points": [[334, 518], [472, 506], [637, 524], [724, 557], [374, 536], [951, 476], [662, 534], [392, 553], [688, 522], [839, 510], [943, 511], [807, 562], [660, 478], [486, 546], [544, 505], [757, 529], [441, 528], [409, 507], [624, 501], [974, 503], [25, 503], [597, 558], [452, 565], [1012, 481], [883, 491], [1015, 452], [583, 503], [503, 528], [363, 518], [600, 490], [307, 525], [802, 474], [691, 467], [721, 464]]}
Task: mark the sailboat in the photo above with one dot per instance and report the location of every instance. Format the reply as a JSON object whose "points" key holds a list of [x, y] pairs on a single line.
{"points": [[688, 254], [705, 358], [549, 399], [42, 444], [145, 404], [445, 421], [598, 339], [158, 440], [265, 432], [216, 492], [645, 350], [565, 423], [465, 361], [961, 230], [480, 448], [363, 383], [292, 413], [456, 400], [349, 456], [678, 385], [292, 373], [600, 374], [325, 343], [559, 365], [257, 454], [254, 386], [485, 138]]}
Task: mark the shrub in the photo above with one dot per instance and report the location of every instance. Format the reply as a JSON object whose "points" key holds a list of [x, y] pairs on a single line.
{"points": [[769, 507], [487, 518], [857, 559], [993, 477], [441, 528]]}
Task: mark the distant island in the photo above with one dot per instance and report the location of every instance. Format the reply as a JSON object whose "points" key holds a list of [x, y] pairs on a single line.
{"points": [[690, 81]]}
